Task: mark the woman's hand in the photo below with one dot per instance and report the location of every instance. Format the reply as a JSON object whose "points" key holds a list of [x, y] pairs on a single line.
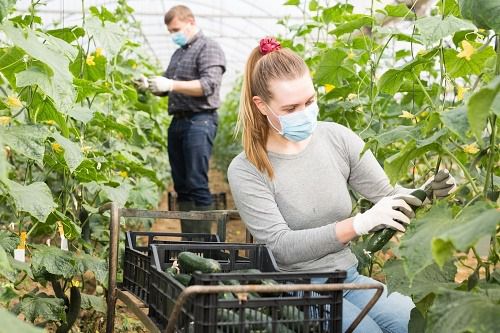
{"points": [[391, 212], [440, 185]]}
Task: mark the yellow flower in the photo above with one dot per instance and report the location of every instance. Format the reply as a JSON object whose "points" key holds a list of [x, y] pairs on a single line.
{"points": [[134, 65], [351, 55], [467, 50], [329, 87], [407, 115], [4, 120], [56, 147], [50, 122], [14, 102], [123, 174], [460, 93], [75, 283], [90, 60], [99, 51], [471, 149]]}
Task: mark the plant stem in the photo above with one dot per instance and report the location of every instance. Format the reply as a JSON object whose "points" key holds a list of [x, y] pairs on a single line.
{"points": [[424, 90], [493, 122], [489, 167], [464, 169]]}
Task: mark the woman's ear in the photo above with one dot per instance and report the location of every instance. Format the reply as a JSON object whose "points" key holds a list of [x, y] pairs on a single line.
{"points": [[261, 105]]}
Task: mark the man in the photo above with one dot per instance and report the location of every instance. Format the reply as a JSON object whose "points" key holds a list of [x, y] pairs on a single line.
{"points": [[192, 83]]}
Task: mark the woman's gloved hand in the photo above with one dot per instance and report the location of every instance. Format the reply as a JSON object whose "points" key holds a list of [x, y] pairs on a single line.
{"points": [[391, 212], [440, 185]]}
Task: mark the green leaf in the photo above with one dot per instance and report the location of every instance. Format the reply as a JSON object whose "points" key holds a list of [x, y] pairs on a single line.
{"points": [[11, 63], [69, 34], [81, 113], [54, 261], [11, 324], [7, 293], [433, 28], [5, 7], [71, 229], [391, 80], [72, 151], [484, 13], [472, 224], [331, 69], [357, 23], [87, 172], [6, 269], [36, 199], [28, 140], [396, 165], [400, 10], [460, 312], [108, 35], [313, 5], [144, 194], [424, 283], [88, 88], [8, 240], [461, 67], [91, 302], [44, 111], [417, 321], [88, 263], [449, 7], [41, 305], [456, 121], [405, 133], [52, 54], [108, 123], [292, 3], [41, 76], [4, 165], [118, 194], [415, 247], [479, 105], [337, 13]]}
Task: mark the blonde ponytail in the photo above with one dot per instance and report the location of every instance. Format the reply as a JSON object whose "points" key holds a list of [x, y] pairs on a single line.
{"points": [[260, 70]]}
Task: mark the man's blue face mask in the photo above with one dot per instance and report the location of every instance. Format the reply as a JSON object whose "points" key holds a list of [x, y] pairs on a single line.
{"points": [[299, 125], [179, 38]]}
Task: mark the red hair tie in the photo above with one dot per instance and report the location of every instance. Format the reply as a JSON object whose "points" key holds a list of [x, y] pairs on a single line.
{"points": [[268, 45]]}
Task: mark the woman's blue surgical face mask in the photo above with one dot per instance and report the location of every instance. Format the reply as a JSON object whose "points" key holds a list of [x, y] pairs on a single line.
{"points": [[298, 125]]}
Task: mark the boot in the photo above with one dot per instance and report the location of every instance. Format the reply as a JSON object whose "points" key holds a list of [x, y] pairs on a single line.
{"points": [[186, 225], [201, 226]]}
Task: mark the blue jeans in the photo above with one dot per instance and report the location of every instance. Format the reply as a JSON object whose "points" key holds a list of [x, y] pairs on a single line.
{"points": [[390, 314], [190, 141]]}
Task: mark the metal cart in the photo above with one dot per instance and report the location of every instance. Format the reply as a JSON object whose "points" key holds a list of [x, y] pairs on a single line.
{"points": [[222, 217]]}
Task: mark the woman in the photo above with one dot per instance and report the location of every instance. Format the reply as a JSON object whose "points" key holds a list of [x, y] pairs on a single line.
{"points": [[290, 184]]}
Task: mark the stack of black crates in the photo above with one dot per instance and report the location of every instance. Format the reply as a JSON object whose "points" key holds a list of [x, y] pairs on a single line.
{"points": [[145, 276]]}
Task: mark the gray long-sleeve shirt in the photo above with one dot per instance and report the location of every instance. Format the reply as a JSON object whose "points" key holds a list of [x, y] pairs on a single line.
{"points": [[295, 213]]}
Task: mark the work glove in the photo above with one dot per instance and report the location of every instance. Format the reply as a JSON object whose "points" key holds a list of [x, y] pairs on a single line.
{"points": [[159, 84], [391, 212], [141, 83], [440, 185]]}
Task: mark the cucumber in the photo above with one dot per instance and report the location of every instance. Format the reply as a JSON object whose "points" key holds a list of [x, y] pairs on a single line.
{"points": [[171, 270], [377, 241], [190, 262], [184, 279]]}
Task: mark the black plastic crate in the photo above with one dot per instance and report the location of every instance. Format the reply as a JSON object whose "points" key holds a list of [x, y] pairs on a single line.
{"points": [[137, 262], [277, 312]]}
